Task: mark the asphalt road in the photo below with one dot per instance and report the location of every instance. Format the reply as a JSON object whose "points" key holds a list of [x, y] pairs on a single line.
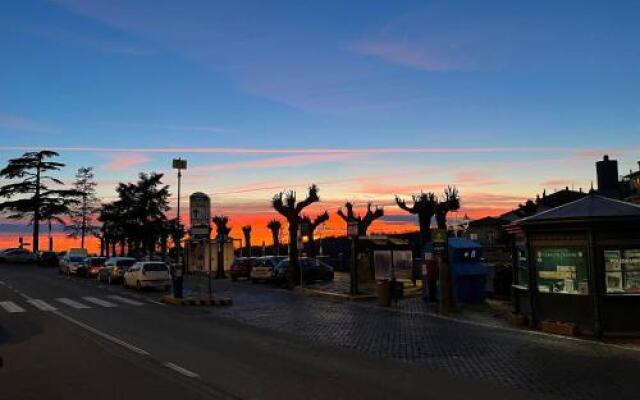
{"points": [[70, 338]]}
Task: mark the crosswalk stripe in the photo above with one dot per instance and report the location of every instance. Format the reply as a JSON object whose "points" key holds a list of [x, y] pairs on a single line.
{"points": [[72, 303], [100, 302], [41, 305], [11, 307], [125, 300]]}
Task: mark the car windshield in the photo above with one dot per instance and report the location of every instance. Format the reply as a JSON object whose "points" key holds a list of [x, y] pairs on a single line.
{"points": [[155, 267], [125, 263], [76, 259]]}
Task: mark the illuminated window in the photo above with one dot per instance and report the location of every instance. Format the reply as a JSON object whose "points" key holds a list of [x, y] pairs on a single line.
{"points": [[622, 269], [562, 270]]}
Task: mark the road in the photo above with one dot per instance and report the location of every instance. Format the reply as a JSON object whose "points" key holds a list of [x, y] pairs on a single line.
{"points": [[70, 338]]}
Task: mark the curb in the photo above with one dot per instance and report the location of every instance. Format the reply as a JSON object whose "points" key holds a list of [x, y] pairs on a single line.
{"points": [[196, 302]]}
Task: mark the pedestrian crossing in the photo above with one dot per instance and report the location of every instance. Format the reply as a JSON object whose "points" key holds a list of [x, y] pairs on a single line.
{"points": [[82, 303]]}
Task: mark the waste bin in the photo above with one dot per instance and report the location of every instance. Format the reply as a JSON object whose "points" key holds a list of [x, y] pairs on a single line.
{"points": [[383, 291]]}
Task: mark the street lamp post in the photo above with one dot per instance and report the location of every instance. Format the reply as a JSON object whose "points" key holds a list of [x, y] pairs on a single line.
{"points": [[178, 164], [352, 232]]}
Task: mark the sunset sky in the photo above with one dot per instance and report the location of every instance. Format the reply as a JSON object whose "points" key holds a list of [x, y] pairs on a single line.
{"points": [[366, 98]]}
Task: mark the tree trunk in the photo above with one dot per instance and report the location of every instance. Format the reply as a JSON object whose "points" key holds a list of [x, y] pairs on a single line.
{"points": [[83, 228], [50, 238], [293, 272], [36, 211]]}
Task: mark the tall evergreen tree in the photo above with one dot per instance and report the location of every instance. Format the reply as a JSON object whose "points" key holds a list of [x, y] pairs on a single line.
{"points": [[33, 188], [83, 214]]}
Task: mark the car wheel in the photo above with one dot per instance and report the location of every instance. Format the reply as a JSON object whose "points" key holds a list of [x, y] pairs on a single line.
{"points": [[138, 286]]}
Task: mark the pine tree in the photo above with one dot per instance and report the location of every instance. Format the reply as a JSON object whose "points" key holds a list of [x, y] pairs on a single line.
{"points": [[83, 214], [33, 188]]}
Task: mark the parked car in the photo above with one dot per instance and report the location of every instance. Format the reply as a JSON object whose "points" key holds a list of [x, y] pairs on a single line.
{"points": [[90, 266], [17, 256], [264, 268], [71, 260], [241, 268], [114, 268], [148, 274], [310, 268], [48, 259]]}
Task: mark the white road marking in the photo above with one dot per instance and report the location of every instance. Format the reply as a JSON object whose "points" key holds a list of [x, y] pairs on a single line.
{"points": [[156, 302], [103, 335], [41, 305], [125, 300], [181, 370], [100, 302], [2, 283], [11, 307], [72, 303]]}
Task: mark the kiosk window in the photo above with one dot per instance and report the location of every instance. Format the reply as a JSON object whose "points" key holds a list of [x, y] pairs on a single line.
{"points": [[622, 268], [562, 270]]}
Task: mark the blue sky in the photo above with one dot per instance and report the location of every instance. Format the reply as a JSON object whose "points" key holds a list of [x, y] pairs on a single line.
{"points": [[543, 87]]}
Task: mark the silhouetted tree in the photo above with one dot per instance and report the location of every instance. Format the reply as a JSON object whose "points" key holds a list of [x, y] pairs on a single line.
{"points": [[222, 233], [312, 225], [83, 214], [286, 204], [449, 202], [274, 226], [31, 167], [246, 231], [363, 222], [424, 206]]}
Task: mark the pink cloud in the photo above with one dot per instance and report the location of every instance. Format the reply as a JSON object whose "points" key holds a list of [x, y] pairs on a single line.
{"points": [[476, 178], [249, 150], [125, 162], [411, 55]]}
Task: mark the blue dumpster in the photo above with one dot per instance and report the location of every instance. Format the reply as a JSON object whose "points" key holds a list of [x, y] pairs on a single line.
{"points": [[469, 274]]}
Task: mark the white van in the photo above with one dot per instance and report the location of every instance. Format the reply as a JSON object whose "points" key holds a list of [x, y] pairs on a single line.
{"points": [[72, 259]]}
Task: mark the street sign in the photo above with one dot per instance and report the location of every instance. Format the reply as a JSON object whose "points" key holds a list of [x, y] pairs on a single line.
{"points": [[179, 163], [439, 241]]}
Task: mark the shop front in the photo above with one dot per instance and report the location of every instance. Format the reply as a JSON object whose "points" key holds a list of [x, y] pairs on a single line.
{"points": [[580, 263]]}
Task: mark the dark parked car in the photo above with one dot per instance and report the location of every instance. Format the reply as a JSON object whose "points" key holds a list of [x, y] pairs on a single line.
{"points": [[241, 268], [310, 268], [114, 268], [48, 259], [91, 266]]}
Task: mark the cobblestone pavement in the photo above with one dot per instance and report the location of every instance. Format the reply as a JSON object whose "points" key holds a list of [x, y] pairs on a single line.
{"points": [[538, 363]]}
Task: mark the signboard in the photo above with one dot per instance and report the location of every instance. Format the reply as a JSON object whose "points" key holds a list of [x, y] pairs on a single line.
{"points": [[200, 210], [352, 228], [179, 163], [439, 240]]}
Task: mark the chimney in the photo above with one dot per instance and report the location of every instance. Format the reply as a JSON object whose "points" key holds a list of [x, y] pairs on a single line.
{"points": [[607, 174]]}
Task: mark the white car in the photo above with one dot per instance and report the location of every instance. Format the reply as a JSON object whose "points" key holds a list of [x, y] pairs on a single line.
{"points": [[264, 267], [148, 274], [72, 259]]}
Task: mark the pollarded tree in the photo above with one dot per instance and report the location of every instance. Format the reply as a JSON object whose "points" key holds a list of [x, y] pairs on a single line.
{"points": [[287, 205], [424, 206], [222, 234], [312, 225], [274, 226], [33, 188], [449, 202], [363, 222], [246, 231], [83, 214]]}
